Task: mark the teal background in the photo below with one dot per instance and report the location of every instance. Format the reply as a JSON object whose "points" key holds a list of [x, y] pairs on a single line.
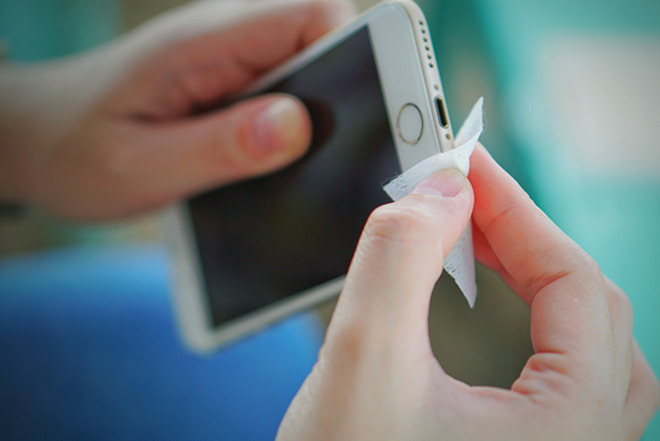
{"points": [[38, 29], [614, 218]]}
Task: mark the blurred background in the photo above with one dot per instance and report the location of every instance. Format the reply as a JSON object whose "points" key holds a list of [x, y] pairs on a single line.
{"points": [[89, 343]]}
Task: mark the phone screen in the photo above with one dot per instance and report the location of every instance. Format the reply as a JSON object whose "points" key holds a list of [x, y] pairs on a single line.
{"points": [[268, 238]]}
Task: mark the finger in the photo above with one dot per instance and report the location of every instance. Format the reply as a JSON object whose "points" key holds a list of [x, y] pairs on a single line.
{"points": [[570, 315], [399, 258], [206, 51], [485, 254], [619, 306], [307, 20], [643, 397], [263, 41], [153, 164], [251, 138]]}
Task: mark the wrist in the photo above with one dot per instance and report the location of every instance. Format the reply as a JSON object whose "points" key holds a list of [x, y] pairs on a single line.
{"points": [[18, 129], [37, 105]]}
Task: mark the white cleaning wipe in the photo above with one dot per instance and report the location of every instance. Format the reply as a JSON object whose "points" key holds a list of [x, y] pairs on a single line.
{"points": [[460, 261]]}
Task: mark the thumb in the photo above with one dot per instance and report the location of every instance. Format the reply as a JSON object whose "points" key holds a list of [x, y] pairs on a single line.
{"points": [[385, 301], [250, 138]]}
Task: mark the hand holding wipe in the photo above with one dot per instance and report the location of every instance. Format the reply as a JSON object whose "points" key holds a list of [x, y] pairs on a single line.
{"points": [[460, 261], [377, 377]]}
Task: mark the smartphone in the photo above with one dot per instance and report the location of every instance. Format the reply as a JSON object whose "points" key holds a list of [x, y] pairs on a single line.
{"points": [[249, 254]]}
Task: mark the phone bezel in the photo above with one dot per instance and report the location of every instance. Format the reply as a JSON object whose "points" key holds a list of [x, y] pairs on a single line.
{"points": [[397, 30]]}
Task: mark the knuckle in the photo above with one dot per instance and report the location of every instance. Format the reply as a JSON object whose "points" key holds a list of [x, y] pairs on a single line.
{"points": [[590, 266], [226, 153], [329, 8], [587, 269], [118, 161], [325, 15], [346, 346], [620, 302], [394, 223], [583, 262]]}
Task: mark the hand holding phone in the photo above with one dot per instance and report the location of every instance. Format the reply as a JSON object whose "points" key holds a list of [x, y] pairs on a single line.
{"points": [[119, 130], [251, 253]]}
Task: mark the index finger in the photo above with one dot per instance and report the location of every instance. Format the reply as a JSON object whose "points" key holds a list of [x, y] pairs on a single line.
{"points": [[566, 288], [205, 52], [275, 27], [275, 31]]}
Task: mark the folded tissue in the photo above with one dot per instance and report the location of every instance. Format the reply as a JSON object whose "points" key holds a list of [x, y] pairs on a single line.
{"points": [[460, 260]]}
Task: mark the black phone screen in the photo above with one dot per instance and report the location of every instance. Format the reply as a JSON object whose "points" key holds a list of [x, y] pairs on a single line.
{"points": [[268, 238]]}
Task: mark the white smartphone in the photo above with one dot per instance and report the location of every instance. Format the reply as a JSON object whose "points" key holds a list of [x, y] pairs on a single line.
{"points": [[251, 253]]}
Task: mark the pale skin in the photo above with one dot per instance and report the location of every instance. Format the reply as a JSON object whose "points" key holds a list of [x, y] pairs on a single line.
{"points": [[117, 132], [377, 379]]}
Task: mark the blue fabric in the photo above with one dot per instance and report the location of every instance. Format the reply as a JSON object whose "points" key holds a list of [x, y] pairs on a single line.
{"points": [[90, 351]]}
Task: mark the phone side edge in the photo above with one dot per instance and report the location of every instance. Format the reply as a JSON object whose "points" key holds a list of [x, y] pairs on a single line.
{"points": [[187, 290], [404, 81], [429, 65]]}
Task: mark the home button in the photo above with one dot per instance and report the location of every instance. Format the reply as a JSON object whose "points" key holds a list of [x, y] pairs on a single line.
{"points": [[410, 124]]}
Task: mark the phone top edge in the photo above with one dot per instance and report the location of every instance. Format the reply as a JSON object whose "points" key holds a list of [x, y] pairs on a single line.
{"points": [[408, 79], [190, 313], [429, 66], [421, 36], [311, 51]]}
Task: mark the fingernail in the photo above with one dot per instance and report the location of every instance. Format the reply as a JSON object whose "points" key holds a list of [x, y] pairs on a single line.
{"points": [[277, 126], [444, 183]]}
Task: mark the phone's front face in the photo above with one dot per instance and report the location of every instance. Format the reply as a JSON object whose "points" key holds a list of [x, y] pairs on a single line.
{"points": [[266, 242], [266, 239]]}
